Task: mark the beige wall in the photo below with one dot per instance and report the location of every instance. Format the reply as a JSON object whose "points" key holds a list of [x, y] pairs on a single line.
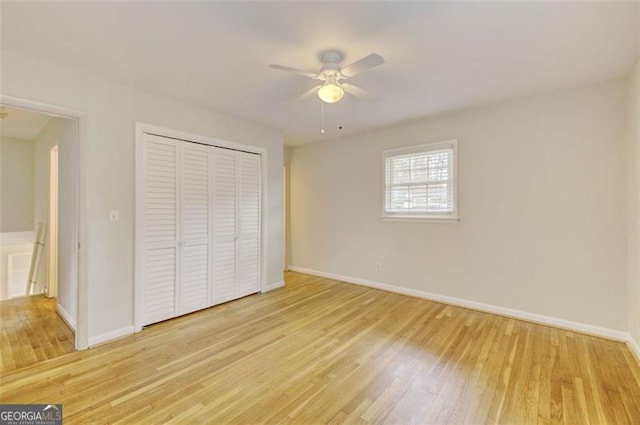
{"points": [[633, 157], [16, 185], [112, 110], [61, 132], [541, 201]]}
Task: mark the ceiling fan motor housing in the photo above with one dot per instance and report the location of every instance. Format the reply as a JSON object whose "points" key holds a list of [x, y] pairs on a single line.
{"points": [[331, 56], [330, 59]]}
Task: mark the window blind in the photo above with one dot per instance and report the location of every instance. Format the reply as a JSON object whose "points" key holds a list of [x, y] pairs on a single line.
{"points": [[420, 180]]}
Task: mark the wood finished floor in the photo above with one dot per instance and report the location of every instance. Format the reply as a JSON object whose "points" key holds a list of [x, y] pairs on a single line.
{"points": [[321, 351], [31, 331]]}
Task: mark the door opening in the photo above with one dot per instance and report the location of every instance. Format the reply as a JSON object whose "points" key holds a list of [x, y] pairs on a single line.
{"points": [[57, 144]]}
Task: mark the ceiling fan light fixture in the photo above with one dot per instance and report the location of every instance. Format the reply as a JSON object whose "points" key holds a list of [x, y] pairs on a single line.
{"points": [[332, 76], [330, 92]]}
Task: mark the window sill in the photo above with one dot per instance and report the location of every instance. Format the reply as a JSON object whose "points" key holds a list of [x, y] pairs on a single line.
{"points": [[421, 219]]}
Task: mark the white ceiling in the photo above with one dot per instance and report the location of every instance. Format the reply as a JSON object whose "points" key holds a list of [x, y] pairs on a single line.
{"points": [[440, 55], [22, 124]]}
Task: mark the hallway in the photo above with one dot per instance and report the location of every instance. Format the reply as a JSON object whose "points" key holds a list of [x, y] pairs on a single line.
{"points": [[31, 331]]}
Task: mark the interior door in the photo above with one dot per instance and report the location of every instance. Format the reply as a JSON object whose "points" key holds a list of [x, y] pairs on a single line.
{"points": [[194, 292], [200, 226], [160, 206], [248, 237], [224, 220]]}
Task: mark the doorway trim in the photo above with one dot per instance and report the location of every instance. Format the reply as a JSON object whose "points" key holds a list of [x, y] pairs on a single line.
{"points": [[52, 285], [79, 228]]}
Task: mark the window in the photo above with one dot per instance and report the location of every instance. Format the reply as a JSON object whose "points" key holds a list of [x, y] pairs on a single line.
{"points": [[420, 181]]}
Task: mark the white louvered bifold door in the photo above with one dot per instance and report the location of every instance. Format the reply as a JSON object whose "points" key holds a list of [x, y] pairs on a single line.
{"points": [[194, 292], [199, 212], [160, 206], [248, 243], [224, 220]]}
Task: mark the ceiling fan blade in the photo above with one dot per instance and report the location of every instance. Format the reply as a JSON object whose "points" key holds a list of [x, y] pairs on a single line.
{"points": [[297, 71], [363, 64], [358, 92], [311, 92]]}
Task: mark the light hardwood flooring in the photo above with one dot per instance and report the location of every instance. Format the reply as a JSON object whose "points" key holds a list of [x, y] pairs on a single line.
{"points": [[31, 331], [321, 351]]}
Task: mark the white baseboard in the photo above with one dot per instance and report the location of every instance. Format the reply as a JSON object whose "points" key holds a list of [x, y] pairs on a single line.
{"points": [[66, 317], [635, 349], [473, 305], [273, 286], [109, 336]]}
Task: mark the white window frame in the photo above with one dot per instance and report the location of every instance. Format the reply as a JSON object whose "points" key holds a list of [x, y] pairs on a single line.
{"points": [[451, 217]]}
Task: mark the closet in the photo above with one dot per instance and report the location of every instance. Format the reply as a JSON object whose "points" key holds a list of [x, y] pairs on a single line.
{"points": [[198, 226]]}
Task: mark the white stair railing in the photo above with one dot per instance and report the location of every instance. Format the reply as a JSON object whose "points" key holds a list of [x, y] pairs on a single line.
{"points": [[35, 258]]}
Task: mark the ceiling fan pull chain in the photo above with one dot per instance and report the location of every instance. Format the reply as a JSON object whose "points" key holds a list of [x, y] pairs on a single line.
{"points": [[321, 117]]}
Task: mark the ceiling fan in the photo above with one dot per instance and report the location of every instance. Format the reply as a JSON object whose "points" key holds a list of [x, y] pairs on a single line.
{"points": [[333, 76]]}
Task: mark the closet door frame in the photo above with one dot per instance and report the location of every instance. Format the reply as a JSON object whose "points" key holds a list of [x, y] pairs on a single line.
{"points": [[140, 130]]}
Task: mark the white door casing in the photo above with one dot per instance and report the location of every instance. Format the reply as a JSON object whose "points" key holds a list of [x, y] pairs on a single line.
{"points": [[52, 281]]}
